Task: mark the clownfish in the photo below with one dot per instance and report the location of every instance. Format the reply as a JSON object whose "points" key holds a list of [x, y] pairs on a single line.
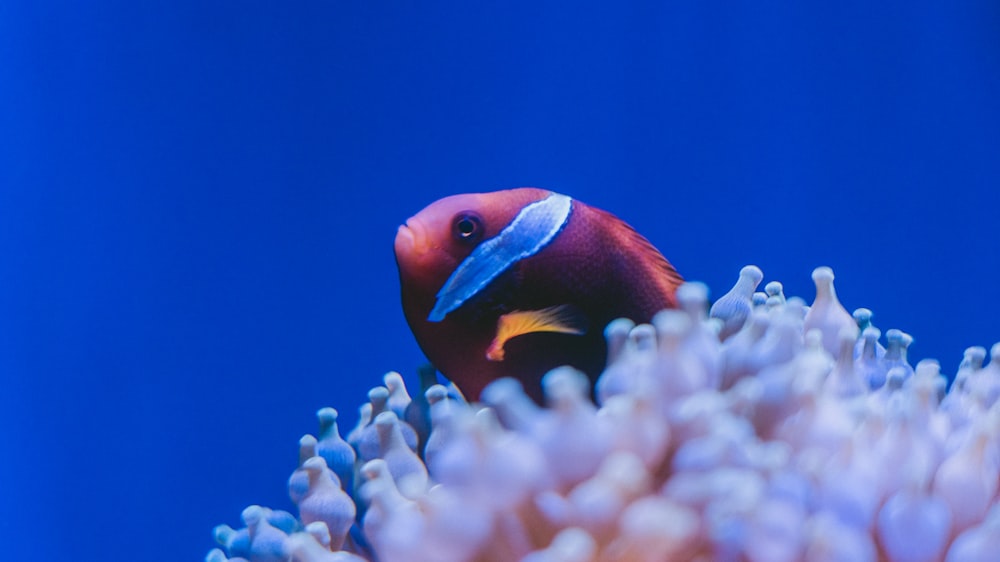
{"points": [[515, 283]]}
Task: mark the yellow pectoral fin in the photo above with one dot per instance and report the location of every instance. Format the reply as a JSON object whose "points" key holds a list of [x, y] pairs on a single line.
{"points": [[562, 318]]}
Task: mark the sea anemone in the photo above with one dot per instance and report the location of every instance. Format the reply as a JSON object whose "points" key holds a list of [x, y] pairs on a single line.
{"points": [[762, 430]]}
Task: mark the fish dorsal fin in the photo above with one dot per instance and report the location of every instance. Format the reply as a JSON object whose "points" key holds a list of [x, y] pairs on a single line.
{"points": [[627, 236], [563, 318], [530, 231]]}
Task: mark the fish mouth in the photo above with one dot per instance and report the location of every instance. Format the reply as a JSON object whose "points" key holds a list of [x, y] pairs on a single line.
{"points": [[411, 239]]}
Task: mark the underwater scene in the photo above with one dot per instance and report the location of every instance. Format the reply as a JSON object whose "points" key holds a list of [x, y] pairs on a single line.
{"points": [[337, 280]]}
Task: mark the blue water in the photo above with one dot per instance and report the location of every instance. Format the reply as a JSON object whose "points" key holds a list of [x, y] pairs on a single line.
{"points": [[198, 202]]}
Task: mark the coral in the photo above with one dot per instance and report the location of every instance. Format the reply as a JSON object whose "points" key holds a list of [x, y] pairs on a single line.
{"points": [[764, 431]]}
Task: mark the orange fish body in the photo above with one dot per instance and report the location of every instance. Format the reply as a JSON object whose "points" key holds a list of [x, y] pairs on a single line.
{"points": [[518, 282]]}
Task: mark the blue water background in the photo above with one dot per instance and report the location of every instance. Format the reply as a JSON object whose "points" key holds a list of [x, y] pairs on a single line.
{"points": [[198, 201]]}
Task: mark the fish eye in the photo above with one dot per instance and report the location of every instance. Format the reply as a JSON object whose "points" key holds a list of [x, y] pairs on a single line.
{"points": [[467, 227]]}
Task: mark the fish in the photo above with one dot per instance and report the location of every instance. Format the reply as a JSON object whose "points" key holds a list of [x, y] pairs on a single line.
{"points": [[515, 283]]}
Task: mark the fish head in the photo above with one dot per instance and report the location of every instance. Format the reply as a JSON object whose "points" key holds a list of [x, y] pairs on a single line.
{"points": [[433, 242]]}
